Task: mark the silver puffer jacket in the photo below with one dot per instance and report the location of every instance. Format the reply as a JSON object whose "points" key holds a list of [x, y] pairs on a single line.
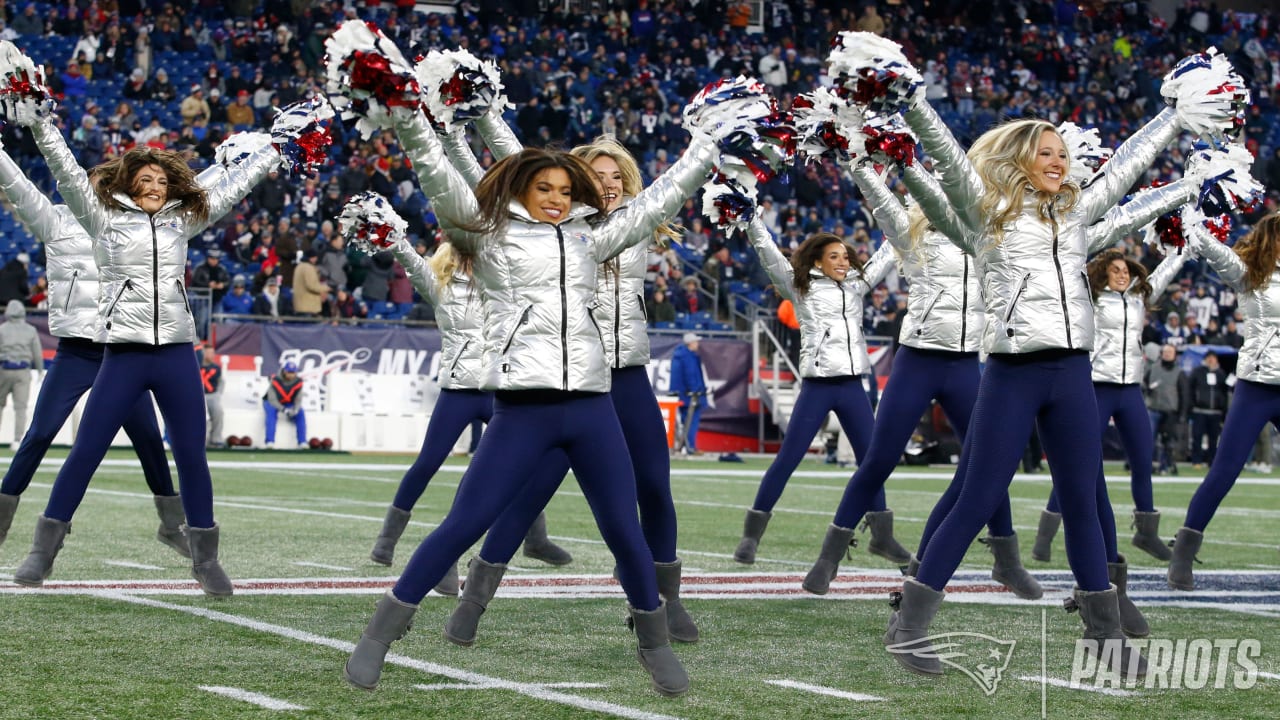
{"points": [[1259, 359], [539, 279], [830, 314], [70, 269], [1119, 317], [459, 315], [944, 302], [142, 258]]}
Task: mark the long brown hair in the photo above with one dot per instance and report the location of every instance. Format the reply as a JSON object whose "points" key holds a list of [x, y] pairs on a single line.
{"points": [[810, 252], [1003, 158], [1097, 269], [508, 179], [1258, 250], [116, 176], [632, 184]]}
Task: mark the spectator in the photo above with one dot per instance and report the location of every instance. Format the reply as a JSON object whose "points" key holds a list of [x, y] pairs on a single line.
{"points": [[1167, 393], [160, 89], [345, 306], [74, 84], [309, 292], [238, 301], [400, 291], [20, 353], [333, 261], [212, 276], [28, 22], [240, 113], [211, 378], [870, 20], [1210, 394], [135, 88], [194, 106], [660, 308], [88, 141], [377, 282], [1230, 335], [284, 397], [13, 279], [1202, 305], [688, 382], [1174, 332], [270, 303]]}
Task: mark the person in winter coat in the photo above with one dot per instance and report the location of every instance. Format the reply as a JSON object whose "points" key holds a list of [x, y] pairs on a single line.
{"points": [[20, 354], [309, 291], [284, 397], [688, 382], [1210, 396], [211, 381], [1168, 397]]}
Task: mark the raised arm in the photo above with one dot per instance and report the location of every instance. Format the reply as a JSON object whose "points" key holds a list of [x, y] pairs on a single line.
{"points": [[885, 207], [415, 266], [960, 182], [933, 202], [1146, 205], [1166, 271], [459, 152], [775, 264], [230, 187], [636, 221], [451, 196], [881, 262], [1221, 258], [1128, 164], [497, 135], [73, 182], [28, 203]]}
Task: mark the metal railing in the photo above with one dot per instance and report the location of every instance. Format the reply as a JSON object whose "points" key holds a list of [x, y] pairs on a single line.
{"points": [[767, 352]]}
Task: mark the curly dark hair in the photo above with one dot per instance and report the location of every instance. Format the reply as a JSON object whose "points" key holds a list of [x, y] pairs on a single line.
{"points": [[1097, 270], [811, 251], [117, 176], [511, 176]]}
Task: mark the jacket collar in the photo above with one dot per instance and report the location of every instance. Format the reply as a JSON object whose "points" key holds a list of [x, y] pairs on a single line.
{"points": [[576, 210], [128, 202]]}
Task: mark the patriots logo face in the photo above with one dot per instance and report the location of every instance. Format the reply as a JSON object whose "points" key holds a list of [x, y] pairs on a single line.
{"points": [[582, 238], [980, 657]]}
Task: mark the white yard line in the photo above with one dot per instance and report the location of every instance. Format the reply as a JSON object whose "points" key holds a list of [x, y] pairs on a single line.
{"points": [[536, 691], [322, 566], [819, 690], [133, 565], [252, 698], [1268, 676], [473, 686], [1077, 686]]}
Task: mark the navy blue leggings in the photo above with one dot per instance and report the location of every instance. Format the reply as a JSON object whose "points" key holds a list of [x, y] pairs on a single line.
{"points": [[71, 375], [818, 397], [1125, 405], [918, 377], [1252, 407], [172, 374], [646, 437], [1056, 393], [525, 427], [454, 411]]}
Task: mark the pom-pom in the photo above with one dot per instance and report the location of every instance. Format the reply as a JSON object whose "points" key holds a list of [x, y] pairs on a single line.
{"points": [[1085, 149], [889, 140], [1209, 96], [874, 72], [366, 76], [369, 223], [302, 132], [1219, 227], [1168, 229], [826, 125], [457, 87], [239, 147], [743, 120], [728, 203], [1225, 182], [26, 98]]}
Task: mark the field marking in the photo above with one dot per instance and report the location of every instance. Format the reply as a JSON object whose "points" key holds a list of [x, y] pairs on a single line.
{"points": [[819, 690], [132, 565], [535, 691], [1268, 676], [474, 686], [321, 566], [1077, 686], [252, 698]]}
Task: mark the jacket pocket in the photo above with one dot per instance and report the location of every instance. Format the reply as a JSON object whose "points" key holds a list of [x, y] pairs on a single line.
{"points": [[71, 289], [929, 310], [644, 311], [182, 292], [1013, 304], [817, 350], [453, 367], [591, 315], [1262, 351], [511, 337]]}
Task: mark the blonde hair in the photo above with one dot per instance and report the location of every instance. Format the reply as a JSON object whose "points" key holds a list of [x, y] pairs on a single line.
{"points": [[917, 226], [632, 184], [445, 263], [1003, 158]]}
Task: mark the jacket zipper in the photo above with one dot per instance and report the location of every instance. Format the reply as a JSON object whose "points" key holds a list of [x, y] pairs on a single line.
{"points": [[617, 316], [964, 306], [128, 285], [155, 282], [817, 352], [1263, 350], [564, 315], [1062, 283], [71, 290], [454, 366], [848, 334], [591, 315], [186, 301], [1014, 302], [928, 310], [1124, 339], [524, 317]]}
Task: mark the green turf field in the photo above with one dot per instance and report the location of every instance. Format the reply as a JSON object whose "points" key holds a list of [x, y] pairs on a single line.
{"points": [[120, 631]]}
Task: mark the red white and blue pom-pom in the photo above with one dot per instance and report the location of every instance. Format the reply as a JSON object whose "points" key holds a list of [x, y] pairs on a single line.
{"points": [[743, 121], [727, 203], [873, 72], [239, 147], [366, 76], [22, 86], [1219, 227], [369, 223], [1168, 229], [1226, 185], [889, 140], [302, 132], [1085, 149], [826, 125], [458, 87], [1209, 96]]}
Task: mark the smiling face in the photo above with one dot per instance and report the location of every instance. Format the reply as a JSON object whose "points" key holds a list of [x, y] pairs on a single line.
{"points": [[609, 176], [548, 196], [1049, 168], [1118, 275], [150, 188], [834, 261]]}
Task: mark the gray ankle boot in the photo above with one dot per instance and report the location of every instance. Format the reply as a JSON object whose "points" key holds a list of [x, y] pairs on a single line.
{"points": [[882, 541], [448, 584], [538, 545], [1100, 612], [204, 561], [1146, 535], [1186, 544], [834, 547], [654, 651], [914, 609], [172, 516], [389, 623], [1131, 620], [1042, 550], [1007, 567], [680, 626], [481, 584], [753, 527], [384, 547], [913, 566], [44, 548], [8, 506]]}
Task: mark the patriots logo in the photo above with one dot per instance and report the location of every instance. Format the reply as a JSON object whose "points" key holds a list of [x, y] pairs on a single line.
{"points": [[582, 238], [981, 657]]}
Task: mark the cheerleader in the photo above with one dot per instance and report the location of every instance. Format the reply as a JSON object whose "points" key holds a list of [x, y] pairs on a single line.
{"points": [[825, 283], [73, 317], [1250, 268]]}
